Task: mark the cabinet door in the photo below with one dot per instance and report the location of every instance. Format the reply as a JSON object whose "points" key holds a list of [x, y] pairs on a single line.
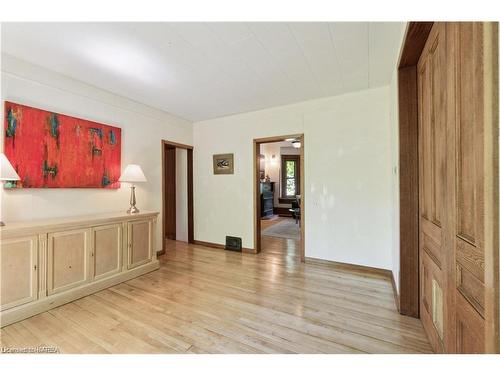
{"points": [[68, 259], [106, 253], [19, 273], [139, 235]]}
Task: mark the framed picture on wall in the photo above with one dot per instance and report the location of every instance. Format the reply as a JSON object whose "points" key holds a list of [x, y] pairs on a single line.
{"points": [[53, 150], [224, 164]]}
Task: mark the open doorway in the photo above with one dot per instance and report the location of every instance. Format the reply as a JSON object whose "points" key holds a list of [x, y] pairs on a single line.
{"points": [[177, 193], [279, 195]]}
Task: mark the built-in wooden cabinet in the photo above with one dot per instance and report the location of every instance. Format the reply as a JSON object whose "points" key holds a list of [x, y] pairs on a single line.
{"points": [[19, 271], [45, 264]]}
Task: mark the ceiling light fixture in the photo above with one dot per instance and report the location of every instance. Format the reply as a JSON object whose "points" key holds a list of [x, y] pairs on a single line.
{"points": [[296, 144]]}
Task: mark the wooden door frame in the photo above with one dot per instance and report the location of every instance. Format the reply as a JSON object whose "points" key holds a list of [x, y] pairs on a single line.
{"points": [[491, 187], [413, 44], [189, 150], [256, 190]]}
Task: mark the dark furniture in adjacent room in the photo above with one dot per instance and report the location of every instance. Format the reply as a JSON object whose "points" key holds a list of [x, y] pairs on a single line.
{"points": [[295, 210], [266, 199]]}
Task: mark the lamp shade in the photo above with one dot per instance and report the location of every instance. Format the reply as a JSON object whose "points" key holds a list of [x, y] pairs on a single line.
{"points": [[7, 171], [132, 173]]}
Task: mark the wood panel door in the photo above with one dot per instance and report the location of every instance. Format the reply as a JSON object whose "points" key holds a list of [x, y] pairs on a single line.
{"points": [[140, 245], [450, 94], [106, 252], [68, 260], [433, 221], [18, 271], [468, 153]]}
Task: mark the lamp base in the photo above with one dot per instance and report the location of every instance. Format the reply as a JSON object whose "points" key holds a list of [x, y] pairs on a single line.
{"points": [[133, 210]]}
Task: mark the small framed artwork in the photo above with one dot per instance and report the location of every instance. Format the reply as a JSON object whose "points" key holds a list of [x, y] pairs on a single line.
{"points": [[224, 164]]}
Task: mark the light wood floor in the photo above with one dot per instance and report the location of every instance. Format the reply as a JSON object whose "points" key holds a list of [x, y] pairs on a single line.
{"points": [[206, 300], [264, 224]]}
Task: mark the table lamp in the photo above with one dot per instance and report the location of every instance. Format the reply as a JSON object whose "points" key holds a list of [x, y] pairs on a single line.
{"points": [[132, 173], [7, 173]]}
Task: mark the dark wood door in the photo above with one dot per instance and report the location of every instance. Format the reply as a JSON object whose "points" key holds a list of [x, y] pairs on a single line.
{"points": [[169, 193], [450, 95]]}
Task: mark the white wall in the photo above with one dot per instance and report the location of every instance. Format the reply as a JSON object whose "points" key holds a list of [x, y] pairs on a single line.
{"points": [[394, 112], [395, 178], [348, 181], [181, 198], [289, 151], [142, 129]]}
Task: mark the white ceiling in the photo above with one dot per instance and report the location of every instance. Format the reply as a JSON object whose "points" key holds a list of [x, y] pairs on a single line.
{"points": [[205, 70]]}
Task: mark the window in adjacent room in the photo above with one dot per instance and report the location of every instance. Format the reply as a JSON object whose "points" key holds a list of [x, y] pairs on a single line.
{"points": [[290, 176]]}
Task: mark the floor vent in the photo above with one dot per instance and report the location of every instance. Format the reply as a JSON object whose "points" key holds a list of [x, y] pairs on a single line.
{"points": [[233, 243]]}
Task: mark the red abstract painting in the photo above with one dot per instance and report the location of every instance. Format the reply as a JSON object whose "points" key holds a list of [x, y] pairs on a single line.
{"points": [[50, 150]]}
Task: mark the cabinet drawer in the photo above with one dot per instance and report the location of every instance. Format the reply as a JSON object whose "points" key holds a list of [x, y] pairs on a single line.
{"points": [[267, 195], [265, 188], [268, 204]]}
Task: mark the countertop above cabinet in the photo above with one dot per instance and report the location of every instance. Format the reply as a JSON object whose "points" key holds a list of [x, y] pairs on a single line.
{"points": [[27, 227]]}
